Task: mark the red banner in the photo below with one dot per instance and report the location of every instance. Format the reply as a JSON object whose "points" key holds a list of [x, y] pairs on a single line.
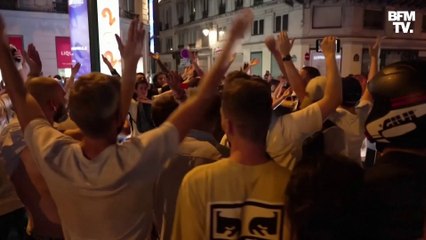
{"points": [[63, 52], [17, 41]]}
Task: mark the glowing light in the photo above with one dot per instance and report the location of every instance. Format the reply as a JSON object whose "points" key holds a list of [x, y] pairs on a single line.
{"points": [[206, 32]]}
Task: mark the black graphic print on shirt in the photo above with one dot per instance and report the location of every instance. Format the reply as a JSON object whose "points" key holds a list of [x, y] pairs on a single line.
{"points": [[247, 220]]}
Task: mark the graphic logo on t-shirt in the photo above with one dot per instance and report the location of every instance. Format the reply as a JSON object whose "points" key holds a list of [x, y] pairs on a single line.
{"points": [[247, 220]]}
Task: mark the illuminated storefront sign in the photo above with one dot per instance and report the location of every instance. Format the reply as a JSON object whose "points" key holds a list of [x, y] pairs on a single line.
{"points": [[79, 32], [63, 52], [109, 25]]}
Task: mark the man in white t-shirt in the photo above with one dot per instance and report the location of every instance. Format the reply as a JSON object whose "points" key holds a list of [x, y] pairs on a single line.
{"points": [[240, 197], [287, 132], [21, 168], [347, 134], [104, 190]]}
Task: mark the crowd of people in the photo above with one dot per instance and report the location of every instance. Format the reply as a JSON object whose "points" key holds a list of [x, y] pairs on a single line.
{"points": [[215, 154]]}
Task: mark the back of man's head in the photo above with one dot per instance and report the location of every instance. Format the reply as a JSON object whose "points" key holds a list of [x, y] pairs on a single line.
{"points": [[162, 106], [247, 103], [311, 72], [322, 197], [43, 89], [398, 117], [94, 104]]}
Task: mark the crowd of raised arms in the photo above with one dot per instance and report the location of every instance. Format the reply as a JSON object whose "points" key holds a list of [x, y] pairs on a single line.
{"points": [[212, 155]]}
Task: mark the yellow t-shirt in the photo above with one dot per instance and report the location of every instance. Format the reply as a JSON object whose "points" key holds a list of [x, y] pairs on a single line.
{"points": [[227, 200]]}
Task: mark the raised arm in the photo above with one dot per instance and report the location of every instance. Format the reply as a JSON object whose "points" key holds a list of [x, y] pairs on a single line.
{"points": [[194, 63], [25, 105], [271, 44], [333, 88], [184, 117], [157, 59], [130, 54], [32, 58], [293, 75], [374, 51], [110, 67], [70, 81]]}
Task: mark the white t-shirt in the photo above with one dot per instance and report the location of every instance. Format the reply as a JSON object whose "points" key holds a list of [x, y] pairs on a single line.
{"points": [[11, 145], [287, 133], [228, 200], [110, 196], [347, 137], [196, 149]]}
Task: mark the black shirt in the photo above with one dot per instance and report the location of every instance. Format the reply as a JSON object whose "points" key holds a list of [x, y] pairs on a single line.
{"points": [[394, 200]]}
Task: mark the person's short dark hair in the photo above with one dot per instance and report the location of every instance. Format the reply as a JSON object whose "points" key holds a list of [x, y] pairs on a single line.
{"points": [[155, 78], [94, 104], [247, 102], [322, 196], [351, 91], [312, 71], [162, 106]]}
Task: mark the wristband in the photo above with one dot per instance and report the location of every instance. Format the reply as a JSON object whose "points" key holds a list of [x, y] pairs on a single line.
{"points": [[287, 58]]}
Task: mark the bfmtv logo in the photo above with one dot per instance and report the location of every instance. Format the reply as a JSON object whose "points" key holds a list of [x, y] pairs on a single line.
{"points": [[402, 20]]}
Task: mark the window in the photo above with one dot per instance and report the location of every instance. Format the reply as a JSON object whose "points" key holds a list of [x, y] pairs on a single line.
{"points": [[205, 8], [239, 4], [258, 27], [257, 2], [275, 69], [281, 23], [374, 19], [191, 11], [192, 37], [181, 39], [222, 7], [179, 11], [321, 17], [257, 69], [221, 33], [169, 44]]}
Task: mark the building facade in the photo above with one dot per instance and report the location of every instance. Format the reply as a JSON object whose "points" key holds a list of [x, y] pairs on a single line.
{"points": [[201, 25], [41, 22]]}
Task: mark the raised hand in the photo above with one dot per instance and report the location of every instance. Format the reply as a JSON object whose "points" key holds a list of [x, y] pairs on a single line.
{"points": [[174, 80], [284, 43], [155, 56], [33, 59], [375, 48], [130, 54], [328, 45], [279, 95], [106, 61], [76, 68], [241, 23], [132, 51], [271, 43], [254, 62]]}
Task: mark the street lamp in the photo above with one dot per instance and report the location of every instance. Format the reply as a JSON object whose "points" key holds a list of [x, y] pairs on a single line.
{"points": [[206, 32]]}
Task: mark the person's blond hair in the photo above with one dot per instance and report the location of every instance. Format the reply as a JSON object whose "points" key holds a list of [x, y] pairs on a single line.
{"points": [[94, 104], [42, 89]]}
